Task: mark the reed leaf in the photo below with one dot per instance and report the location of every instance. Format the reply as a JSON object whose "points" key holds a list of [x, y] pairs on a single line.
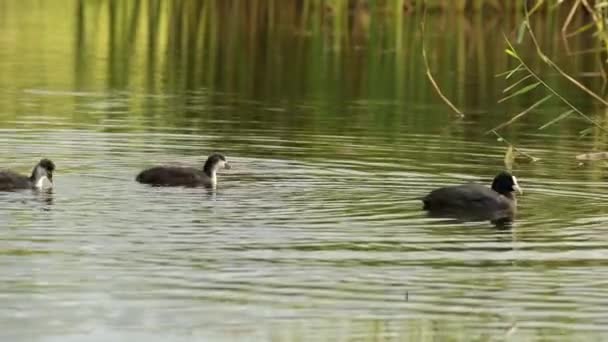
{"points": [[552, 64], [549, 88], [515, 149], [560, 117], [510, 71], [580, 30], [518, 68], [430, 75], [510, 156], [592, 156], [585, 131], [524, 112], [601, 5], [509, 88], [520, 32], [511, 53], [521, 91]]}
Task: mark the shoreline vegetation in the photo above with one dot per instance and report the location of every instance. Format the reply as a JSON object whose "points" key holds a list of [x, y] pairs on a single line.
{"points": [[346, 50], [525, 79], [205, 32]]}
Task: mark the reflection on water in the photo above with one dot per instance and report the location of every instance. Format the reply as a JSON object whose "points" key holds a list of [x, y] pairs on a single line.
{"points": [[317, 231]]}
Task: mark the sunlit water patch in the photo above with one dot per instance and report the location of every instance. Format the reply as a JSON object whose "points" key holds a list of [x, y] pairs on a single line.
{"points": [[317, 232], [292, 237]]}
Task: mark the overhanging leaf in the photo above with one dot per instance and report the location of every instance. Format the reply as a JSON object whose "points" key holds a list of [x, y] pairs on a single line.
{"points": [[507, 89], [510, 157], [521, 91], [560, 117], [593, 156], [526, 111], [516, 69], [585, 131], [511, 53], [521, 31]]}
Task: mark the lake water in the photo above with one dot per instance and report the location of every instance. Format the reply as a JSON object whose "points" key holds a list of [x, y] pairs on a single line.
{"points": [[316, 233]]}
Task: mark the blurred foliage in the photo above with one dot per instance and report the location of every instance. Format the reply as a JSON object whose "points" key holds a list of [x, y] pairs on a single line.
{"points": [[326, 66]]}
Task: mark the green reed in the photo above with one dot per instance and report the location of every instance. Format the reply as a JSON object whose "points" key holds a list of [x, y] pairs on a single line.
{"points": [[287, 52]]}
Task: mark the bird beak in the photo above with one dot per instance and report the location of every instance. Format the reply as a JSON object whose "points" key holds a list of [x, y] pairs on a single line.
{"points": [[227, 166], [518, 189]]}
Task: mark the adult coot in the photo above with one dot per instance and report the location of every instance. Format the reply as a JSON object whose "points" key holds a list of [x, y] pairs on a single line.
{"points": [[474, 201], [41, 178], [185, 176]]}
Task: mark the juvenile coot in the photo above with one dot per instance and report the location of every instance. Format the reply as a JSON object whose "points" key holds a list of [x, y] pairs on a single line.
{"points": [[41, 178], [474, 201], [185, 176]]}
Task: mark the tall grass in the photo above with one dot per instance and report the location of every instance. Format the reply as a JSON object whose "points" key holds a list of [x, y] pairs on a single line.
{"points": [[287, 53], [528, 79]]}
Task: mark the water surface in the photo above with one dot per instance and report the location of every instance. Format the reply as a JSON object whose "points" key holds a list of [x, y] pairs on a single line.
{"points": [[316, 232]]}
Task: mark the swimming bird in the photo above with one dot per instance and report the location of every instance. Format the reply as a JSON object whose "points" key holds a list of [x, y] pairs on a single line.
{"points": [[185, 176], [474, 201], [41, 178]]}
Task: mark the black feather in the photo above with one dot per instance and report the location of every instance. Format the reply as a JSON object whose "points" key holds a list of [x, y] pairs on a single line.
{"points": [[474, 201]]}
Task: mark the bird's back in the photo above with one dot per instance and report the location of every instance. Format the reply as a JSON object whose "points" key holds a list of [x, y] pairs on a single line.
{"points": [[173, 176], [469, 200], [13, 181]]}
